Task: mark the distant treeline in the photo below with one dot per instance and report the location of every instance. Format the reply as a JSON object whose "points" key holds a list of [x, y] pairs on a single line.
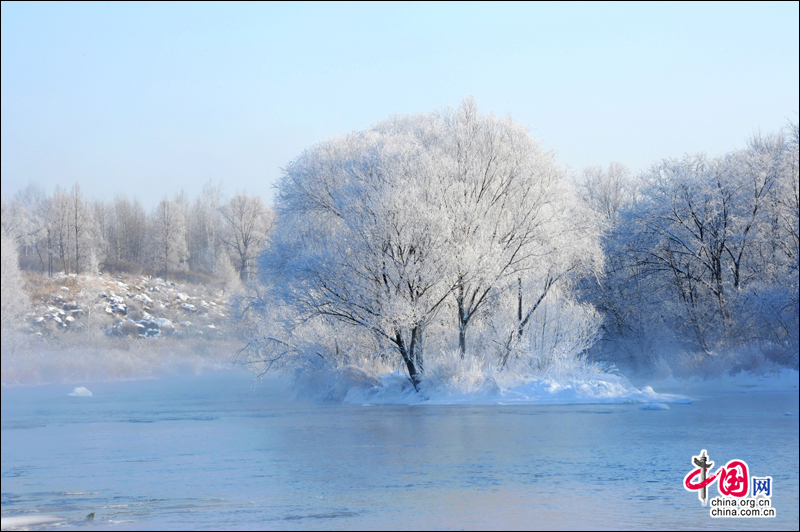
{"points": [[66, 231]]}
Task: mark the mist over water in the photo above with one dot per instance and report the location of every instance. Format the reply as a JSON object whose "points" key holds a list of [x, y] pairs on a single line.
{"points": [[212, 451]]}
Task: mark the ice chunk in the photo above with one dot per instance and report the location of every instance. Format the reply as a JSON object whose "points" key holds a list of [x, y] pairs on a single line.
{"points": [[80, 391]]}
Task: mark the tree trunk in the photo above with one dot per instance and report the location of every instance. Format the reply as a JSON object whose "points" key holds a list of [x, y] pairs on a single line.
{"points": [[462, 338], [462, 323], [412, 355]]}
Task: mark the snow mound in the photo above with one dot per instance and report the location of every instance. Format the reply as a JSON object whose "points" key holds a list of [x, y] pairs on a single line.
{"points": [[395, 388], [80, 391]]}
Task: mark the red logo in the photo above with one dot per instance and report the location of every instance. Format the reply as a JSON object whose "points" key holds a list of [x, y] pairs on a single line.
{"points": [[732, 480]]}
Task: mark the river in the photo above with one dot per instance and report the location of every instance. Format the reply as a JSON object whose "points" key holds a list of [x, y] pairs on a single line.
{"points": [[211, 451]]}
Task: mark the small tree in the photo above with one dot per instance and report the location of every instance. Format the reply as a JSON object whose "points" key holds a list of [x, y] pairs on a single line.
{"points": [[225, 273], [204, 226], [167, 238], [84, 231], [247, 223]]}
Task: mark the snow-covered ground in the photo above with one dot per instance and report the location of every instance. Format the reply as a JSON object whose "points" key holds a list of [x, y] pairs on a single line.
{"points": [[125, 306], [25, 522]]}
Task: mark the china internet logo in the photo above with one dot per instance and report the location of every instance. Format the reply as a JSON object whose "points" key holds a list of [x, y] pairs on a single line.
{"points": [[734, 484]]}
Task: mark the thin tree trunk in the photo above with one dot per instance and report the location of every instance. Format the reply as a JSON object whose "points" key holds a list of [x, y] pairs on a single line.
{"points": [[412, 355]]}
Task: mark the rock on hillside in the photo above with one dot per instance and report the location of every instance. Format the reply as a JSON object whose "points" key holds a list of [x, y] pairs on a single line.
{"points": [[135, 307]]}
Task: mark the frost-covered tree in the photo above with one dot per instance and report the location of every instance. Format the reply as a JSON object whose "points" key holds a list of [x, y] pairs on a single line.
{"points": [[46, 237], [14, 299], [409, 232], [225, 273], [62, 230], [705, 258], [84, 231], [20, 221], [246, 226], [167, 238], [204, 228], [608, 191], [515, 223], [358, 242], [129, 230]]}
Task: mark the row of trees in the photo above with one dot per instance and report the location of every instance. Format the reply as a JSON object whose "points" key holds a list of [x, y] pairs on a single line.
{"points": [[455, 233], [67, 232], [701, 252]]}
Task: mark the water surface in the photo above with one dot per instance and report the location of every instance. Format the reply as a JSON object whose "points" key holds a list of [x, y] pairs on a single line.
{"points": [[211, 452]]}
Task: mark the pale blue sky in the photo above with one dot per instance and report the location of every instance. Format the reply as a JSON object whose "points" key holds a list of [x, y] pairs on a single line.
{"points": [[148, 99]]}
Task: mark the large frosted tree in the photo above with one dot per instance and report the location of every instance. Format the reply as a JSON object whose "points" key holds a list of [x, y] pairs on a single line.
{"points": [[422, 224]]}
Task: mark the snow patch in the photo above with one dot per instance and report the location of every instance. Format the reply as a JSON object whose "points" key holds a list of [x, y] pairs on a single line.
{"points": [[164, 324], [23, 521]]}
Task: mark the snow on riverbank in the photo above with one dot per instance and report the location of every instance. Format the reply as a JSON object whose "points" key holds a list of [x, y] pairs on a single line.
{"points": [[23, 522], [395, 388]]}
